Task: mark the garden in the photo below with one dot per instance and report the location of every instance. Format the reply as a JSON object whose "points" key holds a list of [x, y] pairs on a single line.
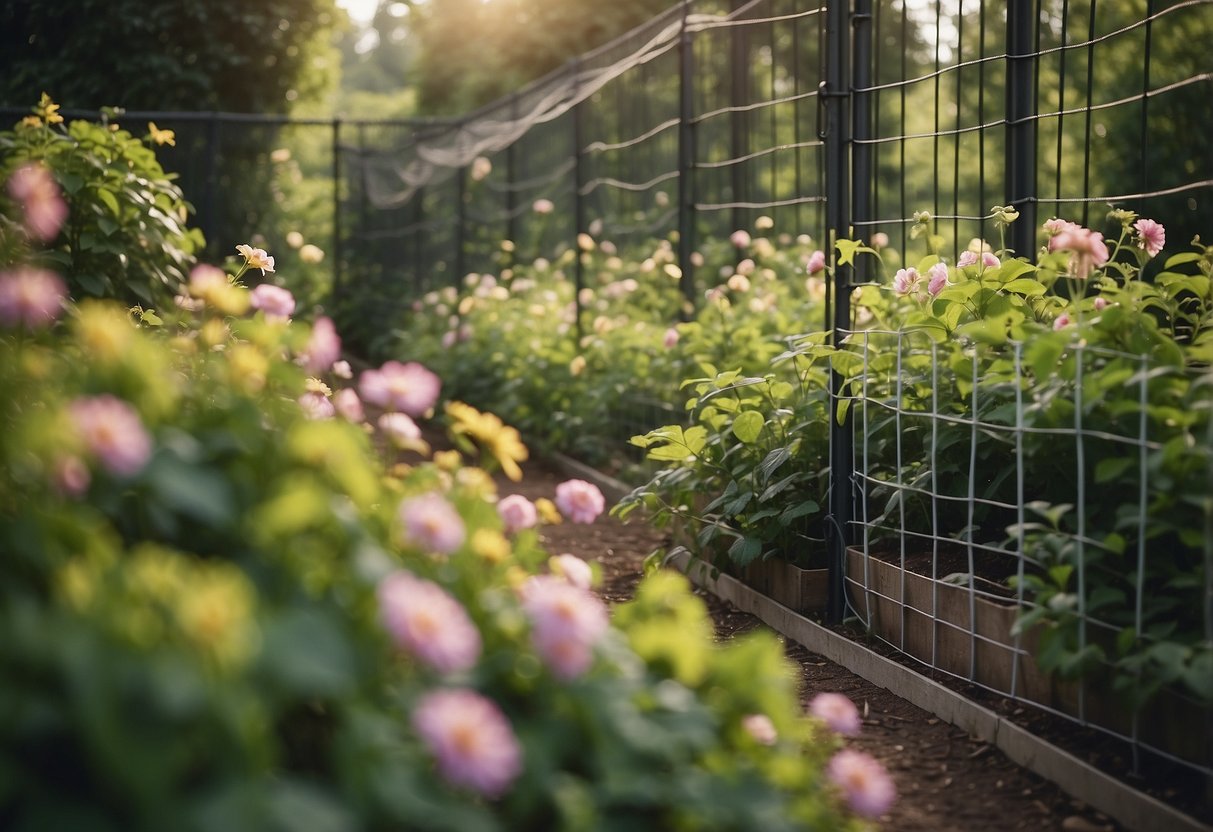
{"points": [[642, 491]]}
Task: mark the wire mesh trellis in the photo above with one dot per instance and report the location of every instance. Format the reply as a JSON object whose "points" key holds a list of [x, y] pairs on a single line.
{"points": [[988, 488]]}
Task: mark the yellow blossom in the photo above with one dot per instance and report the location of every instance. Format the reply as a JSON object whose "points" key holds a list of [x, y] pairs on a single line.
{"points": [[104, 332], [448, 460], [315, 385], [491, 545], [516, 576], [494, 437], [31, 121], [548, 512], [476, 481], [577, 365], [161, 137], [47, 109]]}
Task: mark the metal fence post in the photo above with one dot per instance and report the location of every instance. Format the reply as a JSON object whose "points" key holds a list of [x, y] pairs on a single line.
{"points": [[835, 90], [511, 176], [578, 197], [336, 288], [1021, 126], [861, 131], [686, 166], [739, 121]]}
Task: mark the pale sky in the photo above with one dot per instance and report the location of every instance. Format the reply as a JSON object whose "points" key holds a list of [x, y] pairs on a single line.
{"points": [[361, 11]]}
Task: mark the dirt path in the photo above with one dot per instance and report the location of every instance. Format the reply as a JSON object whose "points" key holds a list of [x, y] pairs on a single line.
{"points": [[946, 779]]}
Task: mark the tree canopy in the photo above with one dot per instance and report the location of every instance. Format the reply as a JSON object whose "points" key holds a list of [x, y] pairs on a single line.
{"points": [[237, 55]]}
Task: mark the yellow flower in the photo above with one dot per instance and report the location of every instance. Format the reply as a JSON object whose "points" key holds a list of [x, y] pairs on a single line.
{"points": [[577, 365], [104, 332], [490, 545], [516, 576], [315, 385], [161, 136], [47, 110], [548, 512], [447, 460], [31, 121], [494, 437], [216, 614]]}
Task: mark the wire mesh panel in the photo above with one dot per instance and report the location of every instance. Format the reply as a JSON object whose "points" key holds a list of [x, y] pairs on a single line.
{"points": [[1020, 525]]}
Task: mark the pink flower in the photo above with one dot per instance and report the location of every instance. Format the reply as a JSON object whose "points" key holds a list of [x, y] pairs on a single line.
{"points": [[399, 429], [745, 267], [1100, 303], [1061, 321], [543, 206], [256, 258], [323, 348], [906, 281], [816, 262], [409, 388], [740, 238], [1088, 248], [449, 338], [204, 278], [427, 622], [471, 740], [30, 298], [316, 405], [70, 476], [341, 369], [670, 340], [838, 713], [739, 283], [579, 501], [880, 239], [113, 433], [277, 303], [989, 261], [35, 188], [431, 524], [1151, 236], [566, 623], [573, 569], [760, 727], [938, 277], [348, 405], [966, 258], [517, 513], [1055, 226], [865, 784]]}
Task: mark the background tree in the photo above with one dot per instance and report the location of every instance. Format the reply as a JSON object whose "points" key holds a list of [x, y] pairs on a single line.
{"points": [[240, 55], [471, 51]]}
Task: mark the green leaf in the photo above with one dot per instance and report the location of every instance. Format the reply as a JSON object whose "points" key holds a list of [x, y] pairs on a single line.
{"points": [[847, 249], [773, 460], [1025, 286], [1112, 467], [747, 427], [745, 550], [1181, 258], [109, 200]]}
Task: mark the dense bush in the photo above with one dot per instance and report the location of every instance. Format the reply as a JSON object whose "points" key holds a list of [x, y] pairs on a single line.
{"points": [[113, 223], [226, 607]]}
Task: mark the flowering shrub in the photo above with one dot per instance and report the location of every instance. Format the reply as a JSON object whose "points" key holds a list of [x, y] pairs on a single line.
{"points": [[95, 200], [223, 608]]}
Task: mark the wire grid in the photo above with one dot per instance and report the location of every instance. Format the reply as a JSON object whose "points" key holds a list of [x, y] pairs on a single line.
{"points": [[949, 458], [1116, 89]]}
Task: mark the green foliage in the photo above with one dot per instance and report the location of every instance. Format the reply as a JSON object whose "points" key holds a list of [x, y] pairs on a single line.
{"points": [[169, 54], [126, 235], [192, 633]]}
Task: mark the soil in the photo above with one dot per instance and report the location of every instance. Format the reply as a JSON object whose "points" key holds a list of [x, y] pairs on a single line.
{"points": [[946, 779]]}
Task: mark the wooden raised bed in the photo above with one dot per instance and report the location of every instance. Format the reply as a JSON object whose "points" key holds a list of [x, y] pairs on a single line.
{"points": [[935, 619]]}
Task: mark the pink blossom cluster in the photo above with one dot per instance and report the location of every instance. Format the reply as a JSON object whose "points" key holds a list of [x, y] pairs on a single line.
{"points": [[316, 405], [573, 569], [409, 388], [31, 298], [348, 405], [863, 781], [323, 347], [517, 513], [760, 728], [277, 303], [1151, 236], [400, 430], [35, 188], [816, 262], [972, 258], [837, 712], [566, 622], [430, 523], [471, 740], [427, 622], [580, 501], [1087, 248], [113, 433]]}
